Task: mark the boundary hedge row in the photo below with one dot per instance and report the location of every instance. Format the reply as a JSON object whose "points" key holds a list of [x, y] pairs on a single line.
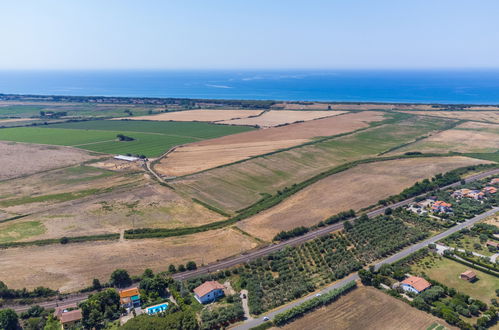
{"points": [[62, 240]]}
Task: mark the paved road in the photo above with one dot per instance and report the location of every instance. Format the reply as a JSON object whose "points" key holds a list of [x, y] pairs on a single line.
{"points": [[400, 255], [236, 260]]}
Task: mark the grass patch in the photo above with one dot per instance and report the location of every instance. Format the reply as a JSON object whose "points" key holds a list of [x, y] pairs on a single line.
{"points": [[21, 230], [493, 156], [447, 271], [62, 197], [150, 138]]}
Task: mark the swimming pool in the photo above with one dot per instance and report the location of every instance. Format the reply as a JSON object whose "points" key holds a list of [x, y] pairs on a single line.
{"points": [[157, 308]]}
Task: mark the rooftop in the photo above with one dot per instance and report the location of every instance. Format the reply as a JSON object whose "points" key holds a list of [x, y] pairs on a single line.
{"points": [[417, 283], [71, 316], [129, 292], [207, 287]]}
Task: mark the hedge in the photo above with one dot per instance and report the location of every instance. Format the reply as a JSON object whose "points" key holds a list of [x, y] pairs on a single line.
{"points": [[473, 265], [62, 240], [312, 304]]}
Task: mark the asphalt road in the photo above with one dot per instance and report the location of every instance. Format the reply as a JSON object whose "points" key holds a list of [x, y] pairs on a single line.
{"points": [[400, 255], [246, 257]]}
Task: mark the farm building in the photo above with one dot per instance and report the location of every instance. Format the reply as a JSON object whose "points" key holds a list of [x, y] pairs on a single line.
{"points": [[126, 158], [441, 207], [209, 291], [130, 298], [468, 275], [415, 284]]}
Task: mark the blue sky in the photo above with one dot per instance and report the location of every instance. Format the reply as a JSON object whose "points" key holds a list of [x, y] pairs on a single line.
{"points": [[252, 34]]}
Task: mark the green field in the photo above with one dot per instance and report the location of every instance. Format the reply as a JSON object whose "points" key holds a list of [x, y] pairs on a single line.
{"points": [[447, 271], [17, 231], [151, 138]]}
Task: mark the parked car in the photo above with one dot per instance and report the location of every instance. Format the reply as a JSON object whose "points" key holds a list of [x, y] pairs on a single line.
{"points": [[265, 318]]}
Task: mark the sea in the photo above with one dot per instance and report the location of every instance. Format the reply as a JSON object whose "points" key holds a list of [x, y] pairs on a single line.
{"points": [[414, 86]]}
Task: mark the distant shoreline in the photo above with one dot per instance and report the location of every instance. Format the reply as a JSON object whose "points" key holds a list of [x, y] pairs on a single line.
{"points": [[145, 100], [463, 87]]}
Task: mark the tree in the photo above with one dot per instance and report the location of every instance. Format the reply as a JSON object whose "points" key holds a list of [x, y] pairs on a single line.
{"points": [[388, 211], [191, 265], [8, 320], [96, 284], [181, 268], [101, 306], [64, 240], [148, 273], [172, 269], [120, 278]]}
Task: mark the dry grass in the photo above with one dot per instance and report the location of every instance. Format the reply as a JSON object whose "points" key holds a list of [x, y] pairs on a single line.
{"points": [[488, 116], [13, 120], [492, 220], [366, 308], [467, 137], [200, 115], [211, 153], [281, 117], [134, 201], [356, 188], [19, 159], [73, 266]]}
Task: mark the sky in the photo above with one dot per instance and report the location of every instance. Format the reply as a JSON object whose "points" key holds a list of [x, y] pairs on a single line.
{"points": [[251, 34]]}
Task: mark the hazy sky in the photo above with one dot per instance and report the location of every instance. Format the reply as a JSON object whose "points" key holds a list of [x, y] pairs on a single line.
{"points": [[216, 34]]}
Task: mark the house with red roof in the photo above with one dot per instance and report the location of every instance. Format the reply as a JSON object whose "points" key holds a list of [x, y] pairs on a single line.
{"points": [[441, 207], [415, 284], [209, 291]]}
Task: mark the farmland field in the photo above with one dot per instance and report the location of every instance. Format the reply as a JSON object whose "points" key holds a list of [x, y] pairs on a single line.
{"points": [[240, 185], [487, 116], [208, 154], [447, 271], [73, 266], [200, 115], [20, 159], [275, 118], [366, 308], [151, 138], [83, 200], [352, 189], [467, 137]]}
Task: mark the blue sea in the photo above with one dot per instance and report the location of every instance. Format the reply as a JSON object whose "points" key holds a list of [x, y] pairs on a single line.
{"points": [[428, 86]]}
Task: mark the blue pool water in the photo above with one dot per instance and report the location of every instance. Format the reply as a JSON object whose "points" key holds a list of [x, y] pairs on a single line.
{"points": [[430, 86], [157, 308]]}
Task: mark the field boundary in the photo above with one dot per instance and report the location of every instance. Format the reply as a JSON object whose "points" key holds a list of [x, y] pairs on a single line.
{"points": [[266, 202], [397, 117]]}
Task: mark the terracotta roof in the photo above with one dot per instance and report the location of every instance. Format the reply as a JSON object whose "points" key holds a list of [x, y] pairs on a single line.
{"points": [[469, 273], [129, 293], [207, 287], [71, 316], [417, 283], [442, 203]]}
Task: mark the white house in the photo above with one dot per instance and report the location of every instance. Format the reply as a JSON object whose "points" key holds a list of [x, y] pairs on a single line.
{"points": [[209, 291], [415, 284]]}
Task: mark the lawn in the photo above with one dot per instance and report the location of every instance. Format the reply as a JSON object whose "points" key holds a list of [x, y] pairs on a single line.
{"points": [[18, 231], [447, 271], [150, 138]]}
